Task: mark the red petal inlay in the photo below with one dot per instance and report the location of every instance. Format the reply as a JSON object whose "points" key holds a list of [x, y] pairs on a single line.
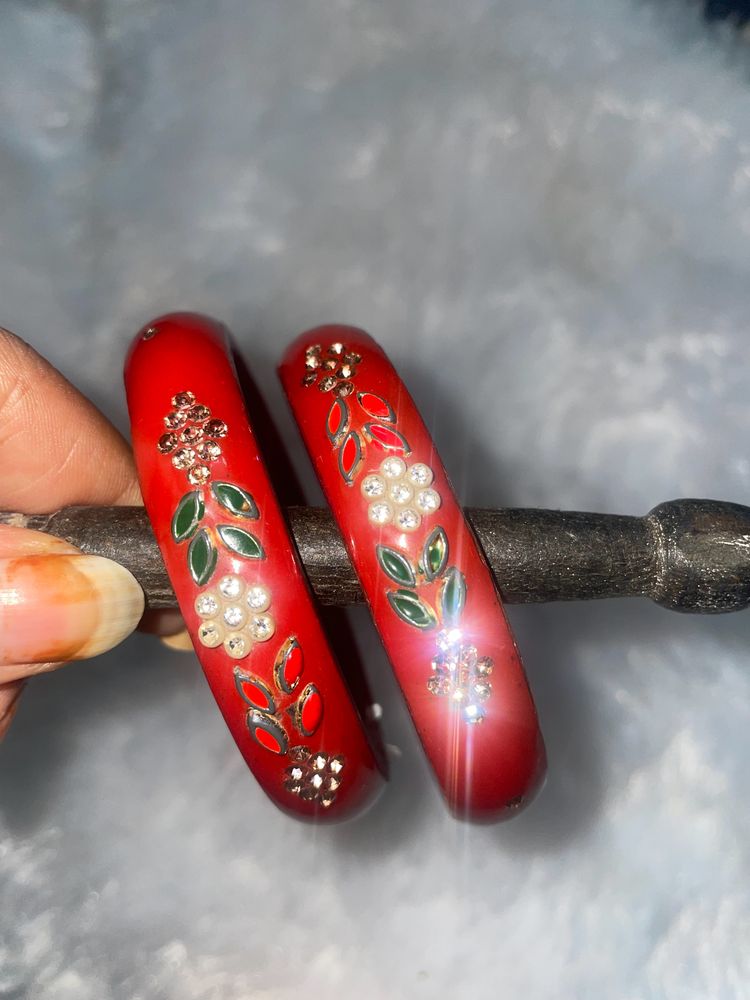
{"points": [[349, 453], [256, 695], [386, 437], [311, 712], [375, 406], [267, 740], [338, 417], [293, 666]]}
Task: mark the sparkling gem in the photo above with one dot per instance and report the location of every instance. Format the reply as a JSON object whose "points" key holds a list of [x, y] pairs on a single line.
{"points": [[482, 690], [380, 513], [191, 435], [327, 383], [308, 793], [216, 429], [327, 802], [262, 627], [448, 639], [199, 414], [469, 657], [208, 451], [292, 786], [234, 616], [352, 357], [333, 784], [299, 753], [316, 781], [420, 474], [313, 349], [236, 645], [167, 443], [319, 762], [309, 380], [408, 519], [329, 365], [345, 371], [210, 634], [258, 597], [472, 714], [336, 765], [231, 587], [199, 475], [393, 467], [312, 362], [439, 685], [344, 389], [373, 486], [484, 666], [401, 492], [183, 400], [183, 458], [336, 349], [296, 773], [173, 421], [206, 605], [428, 501]]}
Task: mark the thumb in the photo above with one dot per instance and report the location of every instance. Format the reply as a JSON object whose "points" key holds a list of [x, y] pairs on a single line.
{"points": [[58, 604]]}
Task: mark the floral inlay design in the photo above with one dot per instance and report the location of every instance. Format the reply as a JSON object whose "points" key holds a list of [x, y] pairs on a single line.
{"points": [[331, 370], [235, 616], [314, 776], [268, 710], [459, 673], [431, 593], [192, 437], [400, 494]]}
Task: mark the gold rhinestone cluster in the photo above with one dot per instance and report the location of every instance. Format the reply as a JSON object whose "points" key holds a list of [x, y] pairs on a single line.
{"points": [[459, 673], [400, 494], [335, 366], [314, 776], [192, 438], [235, 616]]}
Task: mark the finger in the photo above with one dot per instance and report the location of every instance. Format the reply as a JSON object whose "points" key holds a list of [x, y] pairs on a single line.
{"points": [[56, 608], [56, 448], [9, 695]]}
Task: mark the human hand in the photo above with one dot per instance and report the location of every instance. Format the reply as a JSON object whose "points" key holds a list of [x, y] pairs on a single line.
{"points": [[56, 449]]}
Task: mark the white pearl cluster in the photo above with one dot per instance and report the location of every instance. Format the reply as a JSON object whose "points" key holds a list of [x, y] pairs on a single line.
{"points": [[400, 494], [234, 615]]}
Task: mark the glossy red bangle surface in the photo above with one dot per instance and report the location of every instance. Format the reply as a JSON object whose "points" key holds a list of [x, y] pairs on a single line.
{"points": [[237, 575], [430, 591]]}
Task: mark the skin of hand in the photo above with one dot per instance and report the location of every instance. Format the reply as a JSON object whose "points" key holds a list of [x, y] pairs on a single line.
{"points": [[56, 449]]}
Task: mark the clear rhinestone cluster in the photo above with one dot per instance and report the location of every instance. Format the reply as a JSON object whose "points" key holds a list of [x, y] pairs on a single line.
{"points": [[332, 368], [235, 616], [400, 494], [191, 437], [459, 673], [314, 776]]}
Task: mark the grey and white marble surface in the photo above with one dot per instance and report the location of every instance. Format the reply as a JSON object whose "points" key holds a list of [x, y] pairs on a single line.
{"points": [[543, 212]]}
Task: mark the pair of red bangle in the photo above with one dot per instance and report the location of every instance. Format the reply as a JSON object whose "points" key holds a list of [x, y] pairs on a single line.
{"points": [[245, 599]]}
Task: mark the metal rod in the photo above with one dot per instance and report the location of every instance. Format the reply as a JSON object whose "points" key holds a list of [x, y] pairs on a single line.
{"points": [[686, 555]]}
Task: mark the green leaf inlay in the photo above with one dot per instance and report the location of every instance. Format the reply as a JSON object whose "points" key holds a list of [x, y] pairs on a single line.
{"points": [[412, 609], [240, 541], [453, 595], [187, 516], [435, 553], [395, 565], [202, 556], [234, 499]]}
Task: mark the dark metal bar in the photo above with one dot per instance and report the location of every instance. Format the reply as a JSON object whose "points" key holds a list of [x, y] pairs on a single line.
{"points": [[687, 555]]}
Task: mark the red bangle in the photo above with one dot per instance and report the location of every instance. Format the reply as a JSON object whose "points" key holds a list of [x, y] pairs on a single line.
{"points": [[430, 591], [236, 573]]}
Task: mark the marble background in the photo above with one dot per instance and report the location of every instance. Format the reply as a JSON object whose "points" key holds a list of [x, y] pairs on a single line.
{"points": [[543, 211]]}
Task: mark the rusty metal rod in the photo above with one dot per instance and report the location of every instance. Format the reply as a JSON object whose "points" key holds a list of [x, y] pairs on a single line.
{"points": [[686, 555]]}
